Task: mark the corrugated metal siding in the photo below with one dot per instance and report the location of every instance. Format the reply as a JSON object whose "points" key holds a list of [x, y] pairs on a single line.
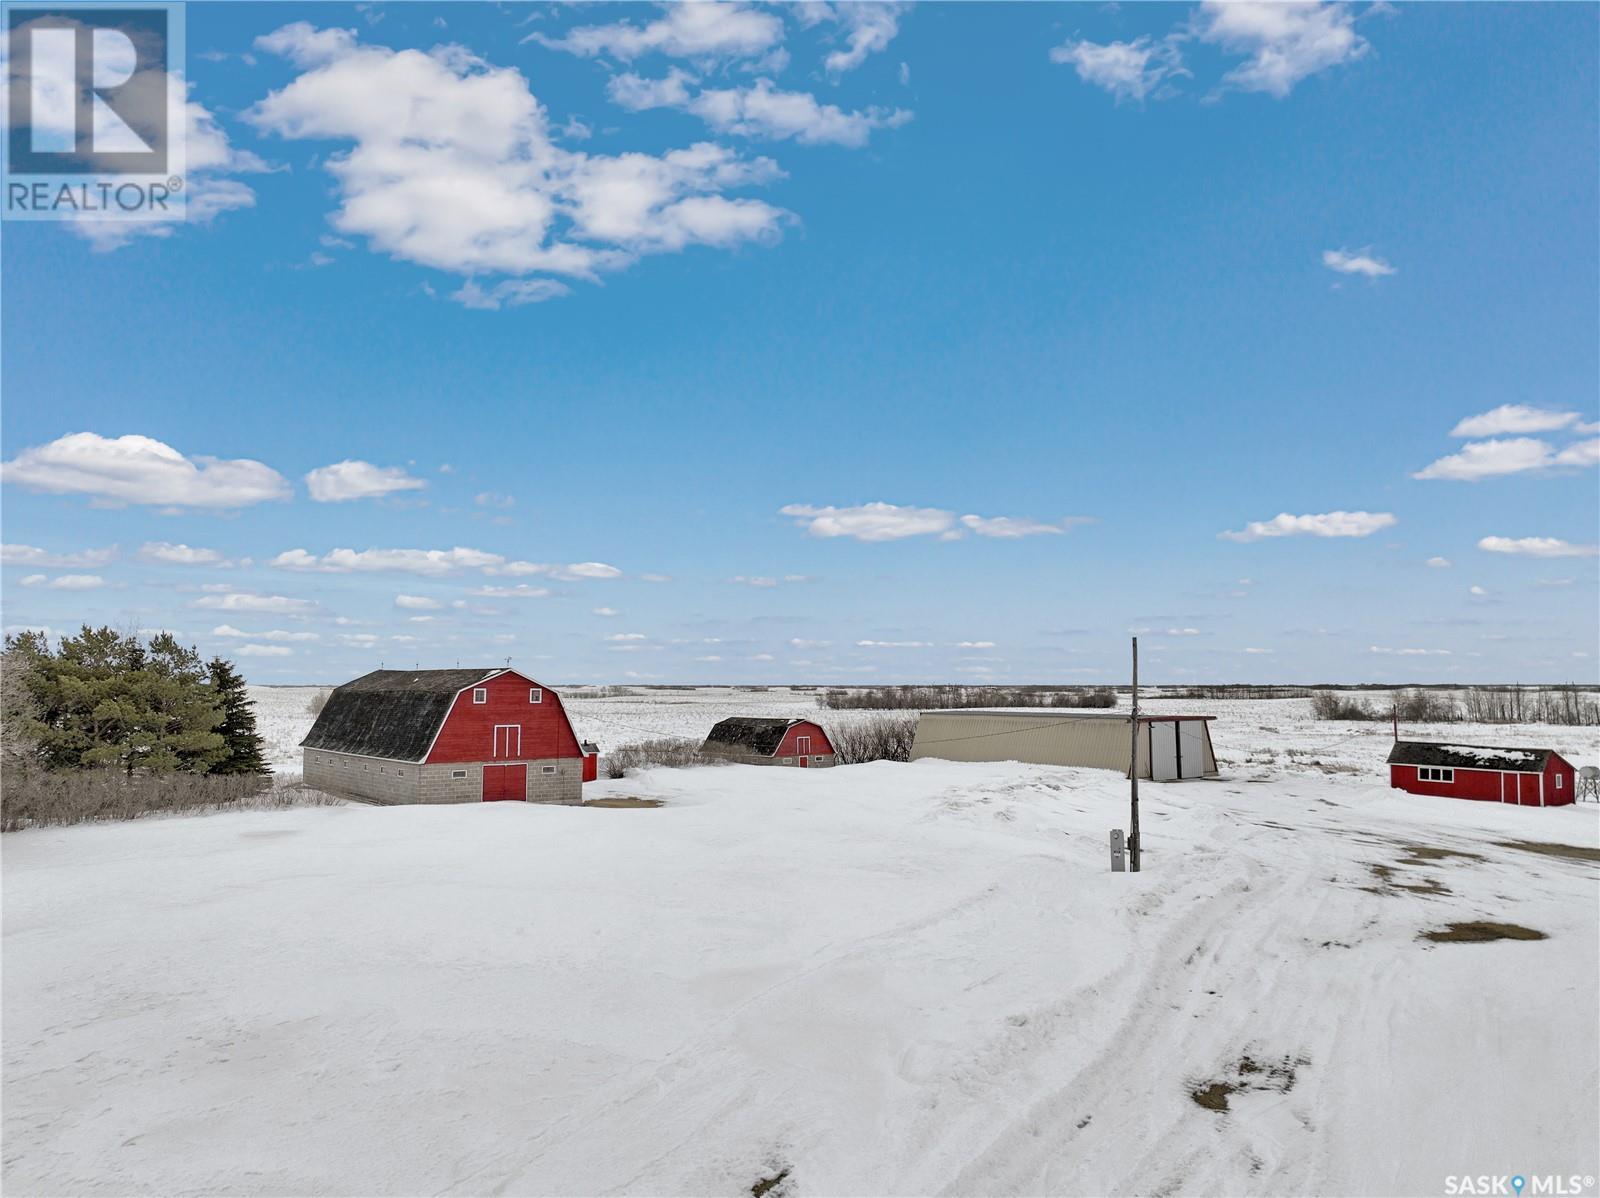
{"points": [[1097, 743]]}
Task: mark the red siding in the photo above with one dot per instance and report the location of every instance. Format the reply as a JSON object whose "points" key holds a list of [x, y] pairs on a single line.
{"points": [[1487, 785], [1559, 767], [820, 744], [468, 732], [1469, 784]]}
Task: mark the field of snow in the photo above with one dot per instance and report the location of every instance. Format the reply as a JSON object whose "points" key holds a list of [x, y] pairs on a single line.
{"points": [[1271, 735], [897, 979]]}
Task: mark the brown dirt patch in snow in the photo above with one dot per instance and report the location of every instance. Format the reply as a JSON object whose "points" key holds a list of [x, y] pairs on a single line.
{"points": [[1388, 884], [1424, 854], [1572, 852], [1481, 931], [767, 1184], [1248, 1074], [625, 803]]}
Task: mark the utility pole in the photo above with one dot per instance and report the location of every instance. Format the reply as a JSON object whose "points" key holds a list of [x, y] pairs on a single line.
{"points": [[1133, 767]]}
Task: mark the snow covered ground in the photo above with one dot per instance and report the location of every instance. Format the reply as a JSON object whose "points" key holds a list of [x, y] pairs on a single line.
{"points": [[881, 979], [1270, 734]]}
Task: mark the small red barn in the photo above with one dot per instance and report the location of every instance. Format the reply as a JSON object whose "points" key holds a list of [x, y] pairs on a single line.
{"points": [[1526, 777], [758, 741], [445, 736]]}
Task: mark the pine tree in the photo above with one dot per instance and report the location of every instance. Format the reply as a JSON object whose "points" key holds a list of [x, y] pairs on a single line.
{"points": [[105, 699], [238, 726]]}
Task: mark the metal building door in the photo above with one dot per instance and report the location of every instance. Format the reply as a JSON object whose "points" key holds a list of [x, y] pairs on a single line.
{"points": [[1191, 748], [1163, 750]]}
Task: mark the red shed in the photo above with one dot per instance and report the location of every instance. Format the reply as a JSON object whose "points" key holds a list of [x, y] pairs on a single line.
{"points": [[445, 736], [761, 741], [1526, 777]]}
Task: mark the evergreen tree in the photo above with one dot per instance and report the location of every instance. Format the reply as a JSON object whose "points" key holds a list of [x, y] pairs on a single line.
{"points": [[238, 727], [105, 699]]}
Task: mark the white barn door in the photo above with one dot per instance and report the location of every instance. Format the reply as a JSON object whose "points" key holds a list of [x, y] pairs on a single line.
{"points": [[1191, 748], [1163, 750]]}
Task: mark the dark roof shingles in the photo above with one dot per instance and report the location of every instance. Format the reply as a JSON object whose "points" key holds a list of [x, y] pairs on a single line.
{"points": [[393, 714], [1469, 757], [754, 734]]}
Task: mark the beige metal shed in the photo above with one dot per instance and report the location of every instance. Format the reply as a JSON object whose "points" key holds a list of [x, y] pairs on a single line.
{"points": [[1179, 746]]}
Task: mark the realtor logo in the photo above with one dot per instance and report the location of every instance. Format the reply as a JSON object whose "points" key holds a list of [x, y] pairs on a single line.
{"points": [[94, 104]]}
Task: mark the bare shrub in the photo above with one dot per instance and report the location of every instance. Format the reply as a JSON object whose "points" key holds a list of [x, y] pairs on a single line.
{"points": [[318, 701], [881, 738], [674, 752], [36, 798], [926, 698], [1565, 705], [1326, 705]]}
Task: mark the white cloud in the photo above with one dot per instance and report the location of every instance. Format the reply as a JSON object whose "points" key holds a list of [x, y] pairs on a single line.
{"points": [[510, 293], [870, 521], [453, 166], [1514, 418], [417, 603], [1253, 650], [521, 591], [169, 554], [893, 522], [757, 111], [1327, 524], [1128, 70], [1361, 262], [1285, 41], [894, 644], [1408, 652], [757, 581], [1485, 459], [1537, 547], [1584, 453], [1439, 563], [1012, 527], [246, 601], [274, 634], [426, 562], [696, 29], [975, 645], [134, 469], [869, 26], [582, 570], [31, 555], [65, 582], [655, 578], [606, 611], [350, 479], [253, 650], [202, 155], [627, 636], [1476, 591]]}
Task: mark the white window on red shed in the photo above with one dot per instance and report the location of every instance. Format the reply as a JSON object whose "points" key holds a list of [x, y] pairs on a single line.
{"points": [[1433, 773], [535, 695], [480, 694], [1558, 781]]}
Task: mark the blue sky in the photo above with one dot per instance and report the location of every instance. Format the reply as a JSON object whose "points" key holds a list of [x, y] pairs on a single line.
{"points": [[871, 343]]}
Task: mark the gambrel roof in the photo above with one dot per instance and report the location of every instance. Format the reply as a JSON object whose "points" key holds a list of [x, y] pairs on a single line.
{"points": [[391, 713], [1469, 757], [755, 734]]}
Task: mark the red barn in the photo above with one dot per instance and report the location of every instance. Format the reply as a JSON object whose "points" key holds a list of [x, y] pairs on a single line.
{"points": [[445, 736], [758, 741], [1526, 777]]}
